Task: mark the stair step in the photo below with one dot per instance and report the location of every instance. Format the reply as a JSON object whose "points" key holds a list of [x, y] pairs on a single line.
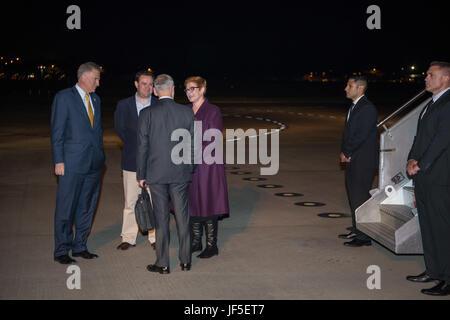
{"points": [[401, 212], [380, 232]]}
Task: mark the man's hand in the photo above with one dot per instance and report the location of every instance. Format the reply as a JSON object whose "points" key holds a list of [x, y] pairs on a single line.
{"points": [[344, 158], [412, 168], [59, 169], [141, 183]]}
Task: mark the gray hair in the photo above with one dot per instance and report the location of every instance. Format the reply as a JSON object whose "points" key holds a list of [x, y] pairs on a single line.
{"points": [[87, 67], [163, 82]]}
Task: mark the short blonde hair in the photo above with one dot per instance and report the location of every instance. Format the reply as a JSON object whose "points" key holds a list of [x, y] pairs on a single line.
{"points": [[199, 81]]}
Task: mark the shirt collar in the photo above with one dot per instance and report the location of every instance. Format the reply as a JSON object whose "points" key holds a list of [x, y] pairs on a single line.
{"points": [[356, 101], [139, 102], [165, 97], [80, 91], [437, 96]]}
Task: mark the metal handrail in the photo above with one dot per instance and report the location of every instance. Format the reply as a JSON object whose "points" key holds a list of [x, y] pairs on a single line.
{"points": [[404, 106]]}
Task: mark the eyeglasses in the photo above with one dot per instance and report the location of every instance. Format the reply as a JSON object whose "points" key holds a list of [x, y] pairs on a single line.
{"points": [[190, 89]]}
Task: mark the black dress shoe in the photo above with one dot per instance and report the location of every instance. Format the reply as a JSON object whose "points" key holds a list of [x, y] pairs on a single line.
{"points": [[85, 254], [423, 277], [125, 246], [441, 289], [358, 243], [349, 235], [155, 268], [65, 259], [185, 266]]}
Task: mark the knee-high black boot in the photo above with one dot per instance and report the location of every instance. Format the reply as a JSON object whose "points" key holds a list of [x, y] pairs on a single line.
{"points": [[196, 236], [211, 240]]}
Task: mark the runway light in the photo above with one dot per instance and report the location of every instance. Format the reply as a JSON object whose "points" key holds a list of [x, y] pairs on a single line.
{"points": [[254, 179], [240, 172], [310, 204], [289, 194], [333, 215], [270, 186]]}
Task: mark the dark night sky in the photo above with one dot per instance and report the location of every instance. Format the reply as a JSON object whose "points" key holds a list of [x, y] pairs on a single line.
{"points": [[228, 37]]}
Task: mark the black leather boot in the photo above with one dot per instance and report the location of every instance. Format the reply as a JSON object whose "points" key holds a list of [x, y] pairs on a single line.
{"points": [[211, 240], [196, 236]]}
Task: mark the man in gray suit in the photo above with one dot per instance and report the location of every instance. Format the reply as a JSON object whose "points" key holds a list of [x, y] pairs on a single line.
{"points": [[166, 178]]}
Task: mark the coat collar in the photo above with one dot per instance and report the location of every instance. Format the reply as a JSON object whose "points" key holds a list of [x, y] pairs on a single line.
{"points": [[356, 108]]}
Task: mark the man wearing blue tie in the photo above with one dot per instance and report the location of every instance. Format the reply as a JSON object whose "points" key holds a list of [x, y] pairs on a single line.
{"points": [[78, 157]]}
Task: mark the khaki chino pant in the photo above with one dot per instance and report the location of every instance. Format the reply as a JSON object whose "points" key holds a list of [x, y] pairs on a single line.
{"points": [[129, 227]]}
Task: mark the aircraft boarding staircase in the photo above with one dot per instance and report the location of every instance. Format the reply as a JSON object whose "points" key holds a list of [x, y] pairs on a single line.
{"points": [[390, 215]]}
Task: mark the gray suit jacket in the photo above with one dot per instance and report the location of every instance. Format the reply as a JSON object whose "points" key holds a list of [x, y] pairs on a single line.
{"points": [[154, 146]]}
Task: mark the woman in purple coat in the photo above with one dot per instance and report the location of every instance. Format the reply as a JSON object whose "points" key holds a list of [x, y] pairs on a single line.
{"points": [[208, 194]]}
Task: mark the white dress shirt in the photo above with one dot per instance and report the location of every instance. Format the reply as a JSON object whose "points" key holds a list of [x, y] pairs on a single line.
{"points": [[83, 97]]}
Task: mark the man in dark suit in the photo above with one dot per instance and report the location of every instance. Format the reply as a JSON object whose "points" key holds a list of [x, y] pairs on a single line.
{"points": [[166, 176], [359, 150], [78, 157], [429, 165], [125, 125]]}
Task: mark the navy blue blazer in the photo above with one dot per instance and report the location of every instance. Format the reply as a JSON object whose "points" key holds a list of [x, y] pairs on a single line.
{"points": [[74, 142], [431, 146], [125, 125], [359, 140]]}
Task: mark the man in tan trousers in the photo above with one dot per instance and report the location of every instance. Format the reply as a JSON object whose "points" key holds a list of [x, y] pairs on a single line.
{"points": [[125, 125]]}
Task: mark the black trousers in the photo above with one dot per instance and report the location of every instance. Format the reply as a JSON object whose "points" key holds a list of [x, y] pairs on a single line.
{"points": [[358, 180], [179, 195], [433, 204]]}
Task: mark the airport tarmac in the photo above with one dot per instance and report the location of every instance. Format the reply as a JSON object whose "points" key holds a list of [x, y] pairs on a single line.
{"points": [[269, 248]]}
